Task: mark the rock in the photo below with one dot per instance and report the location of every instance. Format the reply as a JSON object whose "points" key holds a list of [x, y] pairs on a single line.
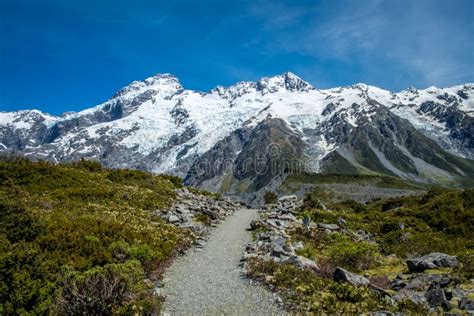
{"points": [[288, 217], [173, 219], [381, 313], [421, 282], [250, 248], [415, 297], [306, 221], [268, 279], [309, 264], [397, 284], [253, 225], [298, 245], [180, 209], [263, 236], [280, 241], [341, 221], [288, 198], [200, 243], [276, 224], [210, 213], [189, 225], [445, 281], [277, 250], [435, 297], [466, 304], [432, 261], [459, 293], [341, 275], [330, 227], [248, 256], [302, 262]]}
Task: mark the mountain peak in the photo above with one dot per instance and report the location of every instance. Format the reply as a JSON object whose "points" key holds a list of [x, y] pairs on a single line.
{"points": [[287, 80], [166, 83]]}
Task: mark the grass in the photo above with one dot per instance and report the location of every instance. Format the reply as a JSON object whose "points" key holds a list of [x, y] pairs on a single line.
{"points": [[440, 220], [73, 230]]}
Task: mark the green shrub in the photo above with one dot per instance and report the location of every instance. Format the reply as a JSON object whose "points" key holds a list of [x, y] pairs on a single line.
{"points": [[270, 197], [352, 255], [177, 181], [89, 165], [203, 218], [102, 290], [466, 265]]}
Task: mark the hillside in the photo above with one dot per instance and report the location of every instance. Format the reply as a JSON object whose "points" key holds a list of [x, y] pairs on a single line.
{"points": [[80, 239], [411, 254]]}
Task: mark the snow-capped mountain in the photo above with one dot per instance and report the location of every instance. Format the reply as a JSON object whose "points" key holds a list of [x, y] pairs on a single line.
{"points": [[210, 138]]}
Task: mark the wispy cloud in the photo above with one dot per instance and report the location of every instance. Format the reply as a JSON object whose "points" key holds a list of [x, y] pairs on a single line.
{"points": [[426, 39]]}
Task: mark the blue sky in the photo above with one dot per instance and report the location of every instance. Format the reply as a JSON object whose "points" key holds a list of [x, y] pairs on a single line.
{"points": [[68, 55]]}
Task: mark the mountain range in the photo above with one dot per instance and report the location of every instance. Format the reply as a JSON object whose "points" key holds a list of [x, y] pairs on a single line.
{"points": [[247, 137]]}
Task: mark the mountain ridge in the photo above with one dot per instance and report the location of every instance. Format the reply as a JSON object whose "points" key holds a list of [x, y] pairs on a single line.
{"points": [[157, 125]]}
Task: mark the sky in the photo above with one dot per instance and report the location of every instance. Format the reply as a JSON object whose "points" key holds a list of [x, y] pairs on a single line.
{"points": [[67, 55]]}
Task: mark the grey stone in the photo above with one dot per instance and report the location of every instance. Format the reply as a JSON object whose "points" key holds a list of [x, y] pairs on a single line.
{"points": [[414, 296], [341, 221], [173, 219], [342, 275], [298, 245], [280, 241], [435, 297], [421, 282], [434, 260], [330, 227], [288, 198], [212, 214], [277, 250], [466, 304], [302, 262], [288, 217]]}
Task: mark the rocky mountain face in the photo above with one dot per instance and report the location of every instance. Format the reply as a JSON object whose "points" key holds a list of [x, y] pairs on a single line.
{"points": [[246, 137]]}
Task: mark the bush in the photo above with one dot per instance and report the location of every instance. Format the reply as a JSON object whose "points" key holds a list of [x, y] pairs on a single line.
{"points": [[352, 255], [466, 267], [89, 165], [270, 197], [102, 290], [177, 181]]}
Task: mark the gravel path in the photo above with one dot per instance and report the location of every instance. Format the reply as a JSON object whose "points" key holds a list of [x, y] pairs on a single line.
{"points": [[209, 281]]}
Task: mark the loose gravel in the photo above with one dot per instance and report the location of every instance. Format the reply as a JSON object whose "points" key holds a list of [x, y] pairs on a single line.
{"points": [[210, 281]]}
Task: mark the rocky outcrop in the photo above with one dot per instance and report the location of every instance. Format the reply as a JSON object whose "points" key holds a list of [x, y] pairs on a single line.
{"points": [[274, 244], [198, 212], [432, 261]]}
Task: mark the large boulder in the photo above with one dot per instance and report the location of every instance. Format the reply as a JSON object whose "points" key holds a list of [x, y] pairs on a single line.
{"points": [[434, 260], [341, 275]]}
